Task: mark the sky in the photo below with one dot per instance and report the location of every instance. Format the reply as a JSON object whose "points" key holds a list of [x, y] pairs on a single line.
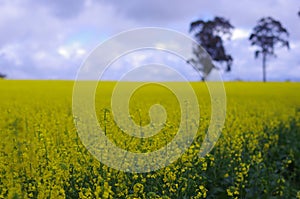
{"points": [[50, 39]]}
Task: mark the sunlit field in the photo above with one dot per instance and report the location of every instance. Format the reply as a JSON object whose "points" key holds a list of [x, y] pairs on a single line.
{"points": [[256, 156]]}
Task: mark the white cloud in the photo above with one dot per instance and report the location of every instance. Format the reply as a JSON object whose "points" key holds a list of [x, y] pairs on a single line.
{"points": [[64, 52], [240, 34], [72, 51]]}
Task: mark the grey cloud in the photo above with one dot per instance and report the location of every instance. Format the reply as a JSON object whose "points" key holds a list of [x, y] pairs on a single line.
{"points": [[156, 11], [63, 8], [243, 13]]}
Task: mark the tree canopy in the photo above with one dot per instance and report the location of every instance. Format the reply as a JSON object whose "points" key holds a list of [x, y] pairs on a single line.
{"points": [[2, 76], [266, 35], [210, 35]]}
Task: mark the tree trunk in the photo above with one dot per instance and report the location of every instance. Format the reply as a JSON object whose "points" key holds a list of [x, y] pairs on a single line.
{"points": [[264, 68]]}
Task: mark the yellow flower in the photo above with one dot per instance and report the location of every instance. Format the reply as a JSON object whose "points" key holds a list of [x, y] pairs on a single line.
{"points": [[229, 193], [201, 187], [298, 195], [138, 188]]}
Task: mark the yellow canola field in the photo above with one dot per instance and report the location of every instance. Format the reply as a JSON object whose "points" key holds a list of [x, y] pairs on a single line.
{"points": [[257, 155]]}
